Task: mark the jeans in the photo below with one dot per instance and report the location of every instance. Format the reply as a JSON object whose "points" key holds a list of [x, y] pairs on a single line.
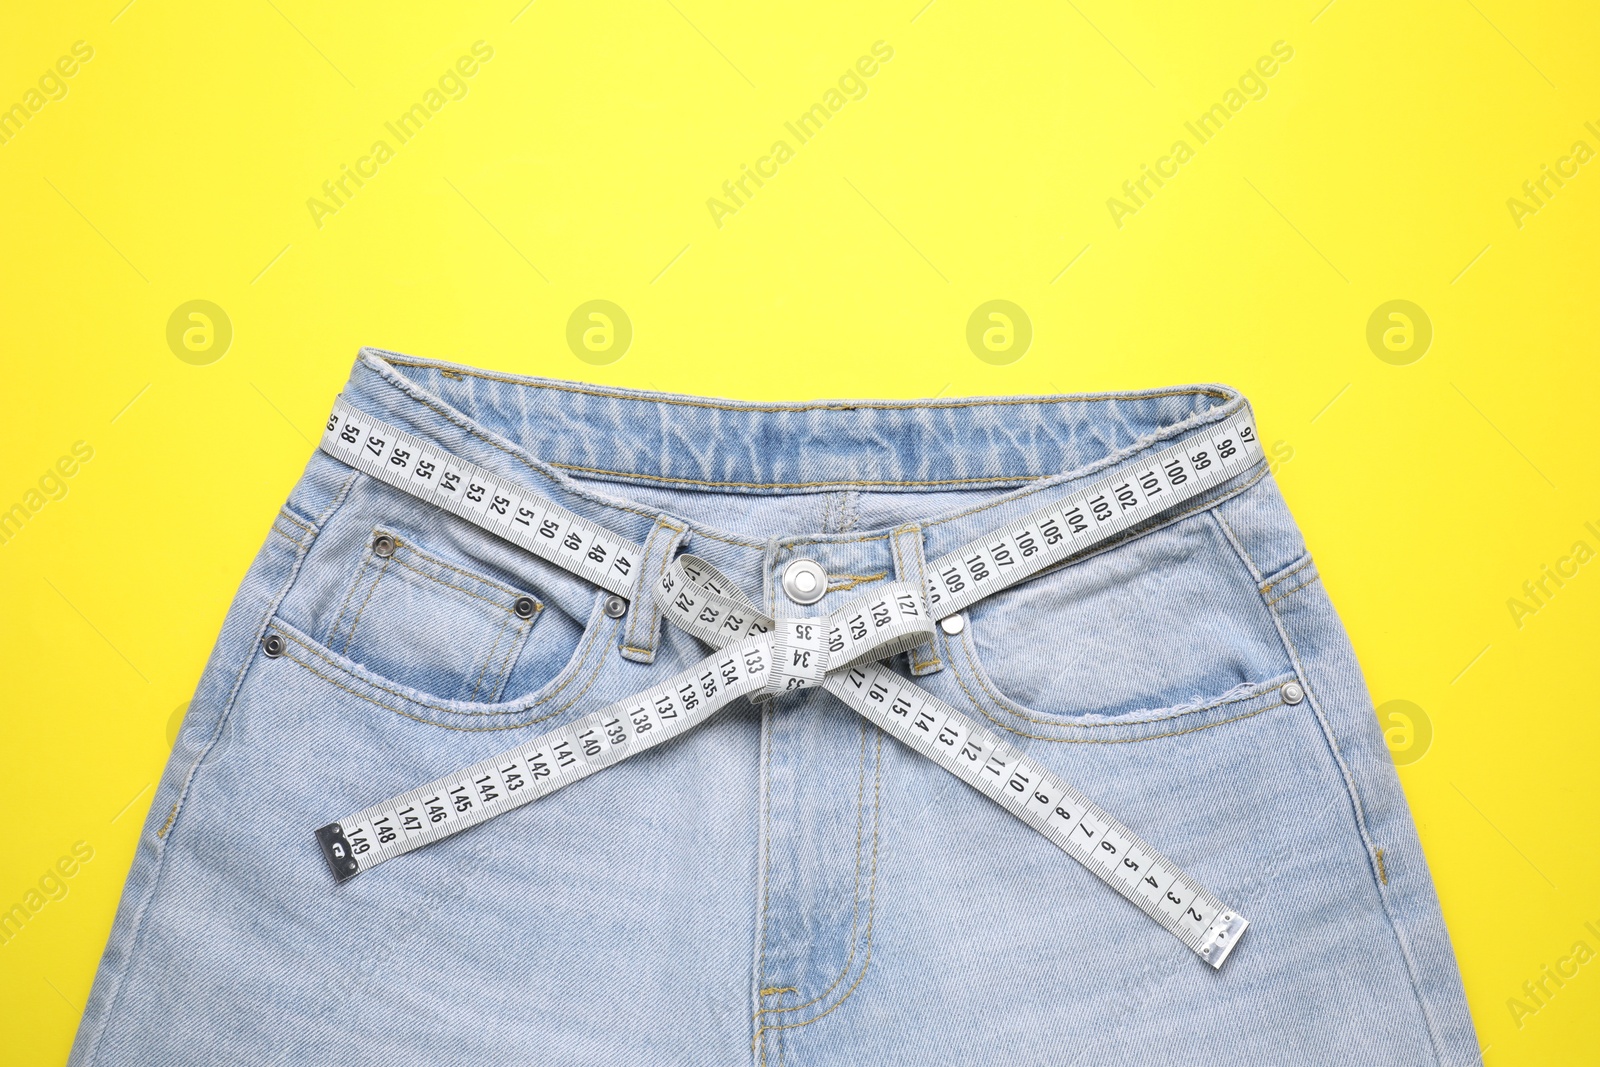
{"points": [[784, 884]]}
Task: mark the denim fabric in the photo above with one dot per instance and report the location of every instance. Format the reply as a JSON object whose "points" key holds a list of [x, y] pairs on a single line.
{"points": [[784, 884]]}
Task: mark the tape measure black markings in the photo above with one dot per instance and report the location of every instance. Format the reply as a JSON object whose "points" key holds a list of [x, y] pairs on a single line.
{"points": [[505, 509], [759, 656]]}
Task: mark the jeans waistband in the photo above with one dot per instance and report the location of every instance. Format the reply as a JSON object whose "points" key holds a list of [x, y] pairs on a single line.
{"points": [[971, 463]]}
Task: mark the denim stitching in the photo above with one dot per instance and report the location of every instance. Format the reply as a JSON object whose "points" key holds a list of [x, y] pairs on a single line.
{"points": [[1354, 794], [92, 1048], [1315, 578], [861, 800], [698, 402], [570, 672], [871, 912]]}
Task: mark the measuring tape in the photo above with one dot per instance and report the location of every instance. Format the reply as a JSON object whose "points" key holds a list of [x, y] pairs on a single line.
{"points": [[758, 656]]}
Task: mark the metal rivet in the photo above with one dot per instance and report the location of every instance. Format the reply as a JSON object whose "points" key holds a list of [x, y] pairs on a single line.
{"points": [[524, 607], [1293, 694], [616, 606], [272, 645], [804, 581], [953, 624], [383, 546]]}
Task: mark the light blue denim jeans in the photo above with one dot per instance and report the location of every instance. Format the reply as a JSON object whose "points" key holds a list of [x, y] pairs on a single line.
{"points": [[784, 884]]}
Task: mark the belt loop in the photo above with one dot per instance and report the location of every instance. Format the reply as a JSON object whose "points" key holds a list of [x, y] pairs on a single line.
{"points": [[910, 566], [644, 620]]}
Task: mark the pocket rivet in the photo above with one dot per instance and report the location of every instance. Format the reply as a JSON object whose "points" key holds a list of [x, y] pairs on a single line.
{"points": [[953, 624], [616, 606], [272, 646], [1293, 694], [524, 607], [383, 546]]}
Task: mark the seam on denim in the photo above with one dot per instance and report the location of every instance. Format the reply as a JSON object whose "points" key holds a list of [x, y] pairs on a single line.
{"points": [[377, 579], [285, 513], [513, 650], [850, 581], [1238, 547], [650, 609], [286, 537], [461, 422], [171, 815], [767, 722], [1315, 578], [459, 588], [444, 725], [1364, 834], [1281, 578], [1235, 401], [780, 989], [841, 483], [1012, 707], [92, 1047], [412, 549], [1358, 809], [836, 405], [855, 914], [866, 963], [483, 667], [565, 678], [978, 704], [1383, 876], [344, 608]]}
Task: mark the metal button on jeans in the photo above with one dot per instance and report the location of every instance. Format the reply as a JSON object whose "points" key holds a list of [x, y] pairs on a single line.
{"points": [[524, 607], [804, 581], [616, 606], [1292, 693], [383, 546], [953, 624]]}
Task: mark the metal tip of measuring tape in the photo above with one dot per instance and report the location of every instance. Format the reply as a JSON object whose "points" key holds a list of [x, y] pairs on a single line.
{"points": [[1221, 938], [336, 850]]}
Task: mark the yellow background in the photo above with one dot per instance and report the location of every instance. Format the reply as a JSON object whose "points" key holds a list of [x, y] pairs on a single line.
{"points": [[977, 167]]}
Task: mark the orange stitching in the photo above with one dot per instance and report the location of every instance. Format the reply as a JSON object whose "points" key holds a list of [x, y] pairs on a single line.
{"points": [[1382, 876], [1279, 580], [696, 402], [570, 672], [1013, 708], [1113, 740], [855, 915], [871, 915], [444, 725], [850, 581], [1314, 579], [791, 485], [351, 636], [171, 815], [464, 423]]}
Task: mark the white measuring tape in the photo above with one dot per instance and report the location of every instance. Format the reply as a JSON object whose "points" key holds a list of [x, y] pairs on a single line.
{"points": [[758, 656]]}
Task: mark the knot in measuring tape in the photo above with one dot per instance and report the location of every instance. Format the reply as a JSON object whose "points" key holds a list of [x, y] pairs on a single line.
{"points": [[758, 656], [892, 618]]}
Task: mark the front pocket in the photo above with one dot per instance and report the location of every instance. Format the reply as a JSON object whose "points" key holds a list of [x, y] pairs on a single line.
{"points": [[1163, 624], [430, 625]]}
